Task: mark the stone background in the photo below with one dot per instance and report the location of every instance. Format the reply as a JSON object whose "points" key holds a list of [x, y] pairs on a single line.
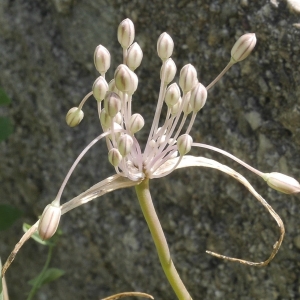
{"points": [[46, 50]]}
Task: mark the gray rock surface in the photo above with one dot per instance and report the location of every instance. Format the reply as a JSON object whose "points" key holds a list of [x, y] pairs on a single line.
{"points": [[46, 50]]}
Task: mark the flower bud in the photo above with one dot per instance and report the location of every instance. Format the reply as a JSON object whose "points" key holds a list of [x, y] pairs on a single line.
{"points": [[165, 46], [112, 86], [114, 157], [125, 80], [187, 108], [105, 119], [184, 144], [176, 107], [126, 33], [125, 143], [74, 116], [49, 221], [243, 47], [117, 130], [101, 59], [99, 88], [134, 56], [172, 94], [112, 103], [188, 78], [118, 118], [168, 71], [198, 97], [282, 183], [136, 123]]}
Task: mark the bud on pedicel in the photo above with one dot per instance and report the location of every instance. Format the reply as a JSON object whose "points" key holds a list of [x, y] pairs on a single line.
{"points": [[282, 183], [165, 46], [126, 33], [172, 94], [188, 78], [74, 116], [99, 88], [198, 97], [49, 221], [112, 103], [112, 86], [101, 59], [184, 144], [243, 47], [187, 108], [125, 80], [105, 119], [114, 157], [134, 56], [168, 71], [136, 123], [176, 107], [125, 143]]}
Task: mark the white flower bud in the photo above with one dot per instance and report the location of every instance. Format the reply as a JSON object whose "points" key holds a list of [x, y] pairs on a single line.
{"points": [[125, 80], [134, 56], [136, 123], [282, 183], [105, 119], [188, 78], [112, 86], [118, 118], [117, 127], [126, 33], [172, 94], [168, 71], [101, 59], [184, 144], [112, 103], [49, 221], [165, 46], [198, 97], [243, 47], [187, 108], [176, 107], [114, 157], [74, 116], [125, 143], [100, 88]]}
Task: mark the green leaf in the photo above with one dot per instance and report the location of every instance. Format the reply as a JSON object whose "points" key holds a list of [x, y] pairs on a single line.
{"points": [[8, 215], [50, 274], [6, 128], [4, 99]]}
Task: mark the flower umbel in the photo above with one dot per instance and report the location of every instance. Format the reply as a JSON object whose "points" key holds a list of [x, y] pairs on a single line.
{"points": [[168, 143]]}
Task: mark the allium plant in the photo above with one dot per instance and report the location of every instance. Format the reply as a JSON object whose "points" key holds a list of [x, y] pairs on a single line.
{"points": [[167, 146]]}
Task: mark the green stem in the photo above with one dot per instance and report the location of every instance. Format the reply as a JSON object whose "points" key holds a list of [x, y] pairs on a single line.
{"points": [[37, 285], [160, 241]]}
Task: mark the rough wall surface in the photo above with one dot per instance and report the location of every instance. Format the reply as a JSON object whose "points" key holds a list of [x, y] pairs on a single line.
{"points": [[46, 50]]}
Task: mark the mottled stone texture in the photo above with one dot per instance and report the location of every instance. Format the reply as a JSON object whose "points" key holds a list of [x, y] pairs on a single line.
{"points": [[46, 50]]}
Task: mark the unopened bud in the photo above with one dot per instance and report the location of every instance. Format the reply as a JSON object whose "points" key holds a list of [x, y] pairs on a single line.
{"points": [[187, 108], [100, 88], [172, 94], [118, 118], [134, 56], [168, 71], [49, 221], [165, 46], [112, 86], [136, 123], [112, 103], [125, 143], [125, 80], [126, 33], [198, 97], [101, 59], [74, 116], [105, 119], [117, 130], [176, 107], [184, 144], [114, 157], [188, 78], [243, 47], [282, 183]]}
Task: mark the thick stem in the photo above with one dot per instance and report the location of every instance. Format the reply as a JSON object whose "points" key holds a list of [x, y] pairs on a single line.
{"points": [[160, 241]]}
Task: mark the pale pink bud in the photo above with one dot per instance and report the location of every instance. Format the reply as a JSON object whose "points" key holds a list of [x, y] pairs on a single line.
{"points": [[125, 80], [172, 94], [188, 78], [112, 103], [243, 47], [136, 123], [198, 97], [282, 183], [49, 221], [114, 157], [100, 88], [101, 59], [176, 107], [125, 143], [74, 116], [105, 119], [118, 118], [168, 71], [112, 86], [165, 46], [134, 56], [187, 108], [126, 33], [184, 144]]}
